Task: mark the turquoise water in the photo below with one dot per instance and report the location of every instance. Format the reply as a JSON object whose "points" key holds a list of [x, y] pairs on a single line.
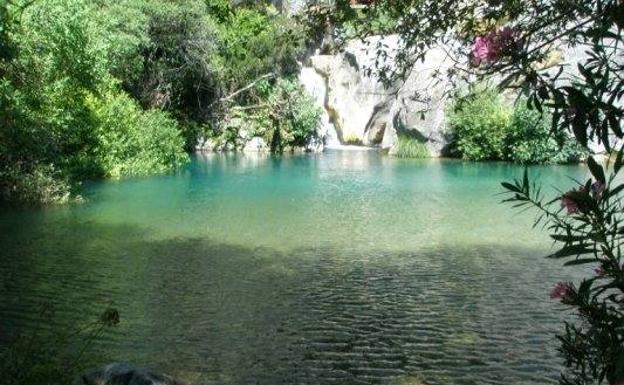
{"points": [[339, 268]]}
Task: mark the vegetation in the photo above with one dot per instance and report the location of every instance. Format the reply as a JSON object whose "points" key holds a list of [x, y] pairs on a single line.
{"points": [[92, 89], [512, 40], [51, 357], [410, 147], [487, 128], [352, 139], [283, 114]]}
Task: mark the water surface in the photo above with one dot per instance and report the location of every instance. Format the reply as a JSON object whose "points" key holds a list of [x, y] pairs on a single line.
{"points": [[340, 268]]}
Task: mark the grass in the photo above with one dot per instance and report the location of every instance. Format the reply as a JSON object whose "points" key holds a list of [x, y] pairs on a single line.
{"points": [[410, 147], [353, 140]]}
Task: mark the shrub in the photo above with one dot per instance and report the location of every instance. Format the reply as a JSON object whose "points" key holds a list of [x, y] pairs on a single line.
{"points": [[132, 141], [284, 115], [485, 128], [410, 147], [352, 139], [529, 139], [479, 123]]}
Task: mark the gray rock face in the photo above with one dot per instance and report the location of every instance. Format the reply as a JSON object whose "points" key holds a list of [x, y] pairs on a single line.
{"points": [[256, 144], [123, 374], [363, 110], [205, 145]]}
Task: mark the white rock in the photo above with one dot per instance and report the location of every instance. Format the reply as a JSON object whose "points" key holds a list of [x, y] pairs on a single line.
{"points": [[256, 144]]}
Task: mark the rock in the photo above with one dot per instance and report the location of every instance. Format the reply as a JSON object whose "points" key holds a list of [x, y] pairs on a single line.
{"points": [[123, 374], [363, 110], [315, 84], [256, 144], [206, 145]]}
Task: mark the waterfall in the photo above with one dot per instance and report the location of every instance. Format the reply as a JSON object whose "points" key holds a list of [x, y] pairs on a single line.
{"points": [[316, 86]]}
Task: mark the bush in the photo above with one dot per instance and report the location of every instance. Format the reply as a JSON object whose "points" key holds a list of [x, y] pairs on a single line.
{"points": [[352, 140], [132, 141], [284, 115], [530, 140], [479, 124], [410, 147], [485, 128]]}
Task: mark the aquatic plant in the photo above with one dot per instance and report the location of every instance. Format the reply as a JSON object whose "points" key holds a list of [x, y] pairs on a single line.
{"points": [[52, 357]]}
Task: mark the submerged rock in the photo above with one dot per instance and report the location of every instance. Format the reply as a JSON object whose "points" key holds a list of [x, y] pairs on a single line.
{"points": [[123, 374]]}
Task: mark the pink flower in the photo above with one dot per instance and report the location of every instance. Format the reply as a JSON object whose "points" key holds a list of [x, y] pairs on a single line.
{"points": [[597, 189], [562, 290], [481, 48], [569, 204], [493, 45]]}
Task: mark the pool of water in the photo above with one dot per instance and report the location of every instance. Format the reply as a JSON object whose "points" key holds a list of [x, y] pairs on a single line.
{"points": [[346, 267]]}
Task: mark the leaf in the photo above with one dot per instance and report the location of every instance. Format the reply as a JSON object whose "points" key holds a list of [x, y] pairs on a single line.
{"points": [[580, 261], [596, 170], [618, 160], [511, 187], [567, 237], [568, 251]]}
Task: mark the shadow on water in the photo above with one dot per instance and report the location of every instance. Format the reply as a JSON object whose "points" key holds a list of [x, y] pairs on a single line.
{"points": [[211, 312]]}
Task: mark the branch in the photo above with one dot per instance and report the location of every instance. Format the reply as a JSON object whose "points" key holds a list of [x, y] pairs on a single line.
{"points": [[246, 88]]}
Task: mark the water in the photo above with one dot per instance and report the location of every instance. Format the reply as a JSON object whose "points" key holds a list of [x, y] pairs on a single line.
{"points": [[338, 268]]}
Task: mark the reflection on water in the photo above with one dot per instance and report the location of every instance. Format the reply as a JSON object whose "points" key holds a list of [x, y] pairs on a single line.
{"points": [[339, 268]]}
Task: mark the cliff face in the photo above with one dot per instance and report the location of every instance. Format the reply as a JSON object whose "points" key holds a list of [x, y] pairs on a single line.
{"points": [[363, 111]]}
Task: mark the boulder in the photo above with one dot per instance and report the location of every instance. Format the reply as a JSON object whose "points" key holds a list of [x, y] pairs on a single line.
{"points": [[205, 145], [256, 144], [123, 374]]}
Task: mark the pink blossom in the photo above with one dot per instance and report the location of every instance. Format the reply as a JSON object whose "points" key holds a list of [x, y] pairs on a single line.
{"points": [[562, 290], [493, 45], [569, 204], [481, 48]]}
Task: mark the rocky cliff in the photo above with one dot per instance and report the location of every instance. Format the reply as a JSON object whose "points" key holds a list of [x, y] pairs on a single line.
{"points": [[365, 112], [359, 110]]}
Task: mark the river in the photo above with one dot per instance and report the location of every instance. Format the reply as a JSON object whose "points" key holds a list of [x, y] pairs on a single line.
{"points": [[347, 267]]}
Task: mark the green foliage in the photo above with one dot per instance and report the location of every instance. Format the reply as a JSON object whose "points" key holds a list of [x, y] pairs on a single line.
{"points": [[480, 123], [352, 139], [285, 116], [132, 141], [410, 147], [529, 139], [55, 129], [485, 128], [253, 42]]}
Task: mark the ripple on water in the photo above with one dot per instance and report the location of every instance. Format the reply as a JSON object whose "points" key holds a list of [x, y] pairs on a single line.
{"points": [[333, 269]]}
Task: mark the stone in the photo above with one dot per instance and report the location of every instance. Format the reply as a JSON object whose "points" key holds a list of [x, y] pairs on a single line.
{"points": [[124, 374], [205, 145], [362, 109], [256, 144]]}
